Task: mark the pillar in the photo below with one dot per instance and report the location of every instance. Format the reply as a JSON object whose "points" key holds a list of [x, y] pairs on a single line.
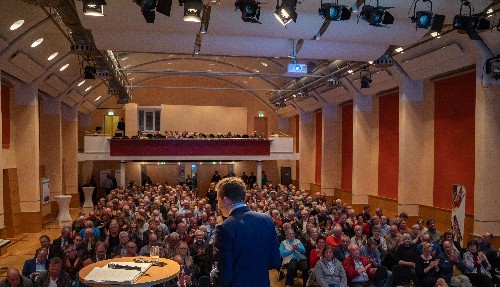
{"points": [[70, 154], [123, 168], [416, 138], [306, 149], [331, 168], [51, 149], [27, 155], [365, 148], [487, 148], [2, 210], [259, 173], [131, 121]]}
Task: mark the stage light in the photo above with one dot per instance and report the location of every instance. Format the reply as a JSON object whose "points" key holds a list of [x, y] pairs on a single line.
{"points": [[93, 7], [89, 72], [192, 10], [250, 10], [366, 78], [470, 24], [280, 104], [334, 12], [376, 16], [426, 19], [286, 12]]}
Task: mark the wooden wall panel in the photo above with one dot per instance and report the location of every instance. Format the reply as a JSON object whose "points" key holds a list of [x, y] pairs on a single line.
{"points": [[12, 206]]}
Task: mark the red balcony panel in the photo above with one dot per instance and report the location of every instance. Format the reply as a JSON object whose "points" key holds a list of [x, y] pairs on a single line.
{"points": [[188, 147]]}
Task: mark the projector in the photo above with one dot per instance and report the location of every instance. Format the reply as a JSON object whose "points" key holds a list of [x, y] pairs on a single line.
{"points": [[296, 70]]}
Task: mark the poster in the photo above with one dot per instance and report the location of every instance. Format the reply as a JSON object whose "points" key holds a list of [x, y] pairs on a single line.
{"points": [[458, 212], [45, 190], [182, 174]]}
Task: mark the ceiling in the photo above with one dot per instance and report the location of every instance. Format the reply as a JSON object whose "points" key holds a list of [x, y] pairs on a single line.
{"points": [[235, 57]]}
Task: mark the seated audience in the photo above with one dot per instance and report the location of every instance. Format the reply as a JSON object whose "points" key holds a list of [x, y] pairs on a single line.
{"points": [[14, 279], [293, 253], [427, 268], [329, 271]]}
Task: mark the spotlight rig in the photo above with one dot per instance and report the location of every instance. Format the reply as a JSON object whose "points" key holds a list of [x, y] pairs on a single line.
{"points": [[366, 78], [280, 104], [148, 8], [493, 67], [250, 10], [285, 13], [377, 16], [334, 12], [470, 24], [426, 19]]}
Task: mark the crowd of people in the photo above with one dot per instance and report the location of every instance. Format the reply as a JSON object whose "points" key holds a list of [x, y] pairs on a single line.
{"points": [[330, 243], [197, 135]]}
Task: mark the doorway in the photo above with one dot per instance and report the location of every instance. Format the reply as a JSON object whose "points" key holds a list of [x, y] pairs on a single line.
{"points": [[260, 125], [110, 125]]}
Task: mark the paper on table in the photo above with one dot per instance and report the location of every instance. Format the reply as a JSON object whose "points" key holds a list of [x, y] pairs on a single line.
{"points": [[116, 276]]}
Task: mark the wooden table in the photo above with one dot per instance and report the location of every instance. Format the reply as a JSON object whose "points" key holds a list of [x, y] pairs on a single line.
{"points": [[154, 275]]}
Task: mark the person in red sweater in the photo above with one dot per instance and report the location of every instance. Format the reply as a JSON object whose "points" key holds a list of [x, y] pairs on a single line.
{"points": [[358, 268], [335, 238], [315, 253]]}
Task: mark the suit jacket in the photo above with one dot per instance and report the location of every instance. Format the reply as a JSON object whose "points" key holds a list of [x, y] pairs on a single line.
{"points": [[44, 280], [25, 282], [245, 249], [55, 249], [30, 267]]}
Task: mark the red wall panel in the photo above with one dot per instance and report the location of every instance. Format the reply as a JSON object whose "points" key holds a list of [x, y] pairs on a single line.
{"points": [[5, 98], [347, 126], [319, 147], [454, 130], [388, 163]]}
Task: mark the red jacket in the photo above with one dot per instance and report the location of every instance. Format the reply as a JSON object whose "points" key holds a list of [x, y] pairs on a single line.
{"points": [[350, 269]]}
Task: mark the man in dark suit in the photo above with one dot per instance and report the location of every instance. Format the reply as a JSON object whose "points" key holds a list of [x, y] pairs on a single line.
{"points": [[56, 248], [33, 267], [245, 247]]}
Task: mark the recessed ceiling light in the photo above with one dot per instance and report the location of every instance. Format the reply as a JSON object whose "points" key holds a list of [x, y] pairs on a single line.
{"points": [[81, 83], [63, 67], [128, 74], [127, 66], [264, 64], [350, 71], [209, 70], [169, 63], [87, 89], [245, 82], [124, 58], [435, 35], [255, 70], [131, 79], [16, 24], [36, 43], [370, 62], [97, 99], [399, 50], [51, 57]]}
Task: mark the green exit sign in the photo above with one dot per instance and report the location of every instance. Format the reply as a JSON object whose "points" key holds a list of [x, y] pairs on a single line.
{"points": [[261, 115], [110, 113]]}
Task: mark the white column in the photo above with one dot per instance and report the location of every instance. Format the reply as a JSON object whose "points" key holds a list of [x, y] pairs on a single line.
{"points": [[365, 148], [307, 149], [70, 153], [123, 168], [259, 173], [487, 149], [331, 157]]}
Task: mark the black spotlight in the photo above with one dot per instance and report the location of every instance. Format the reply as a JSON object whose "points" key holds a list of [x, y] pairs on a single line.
{"points": [[148, 10], [470, 24], [286, 12], [426, 19], [334, 12], [280, 104], [93, 7], [89, 72], [192, 10], [366, 78], [250, 10], [376, 16]]}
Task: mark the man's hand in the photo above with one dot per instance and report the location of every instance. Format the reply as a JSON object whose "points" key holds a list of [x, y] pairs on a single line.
{"points": [[373, 271]]}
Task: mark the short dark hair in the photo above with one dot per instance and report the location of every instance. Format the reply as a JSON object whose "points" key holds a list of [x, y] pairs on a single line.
{"points": [[327, 247], [232, 188], [472, 242]]}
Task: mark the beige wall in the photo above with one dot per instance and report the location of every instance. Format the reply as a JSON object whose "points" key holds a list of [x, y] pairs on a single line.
{"points": [[204, 119]]}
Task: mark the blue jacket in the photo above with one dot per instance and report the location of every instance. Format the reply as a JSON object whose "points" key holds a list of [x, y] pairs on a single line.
{"points": [[245, 249], [30, 267]]}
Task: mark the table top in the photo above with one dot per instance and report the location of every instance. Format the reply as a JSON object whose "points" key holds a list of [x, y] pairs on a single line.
{"points": [[154, 275]]}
